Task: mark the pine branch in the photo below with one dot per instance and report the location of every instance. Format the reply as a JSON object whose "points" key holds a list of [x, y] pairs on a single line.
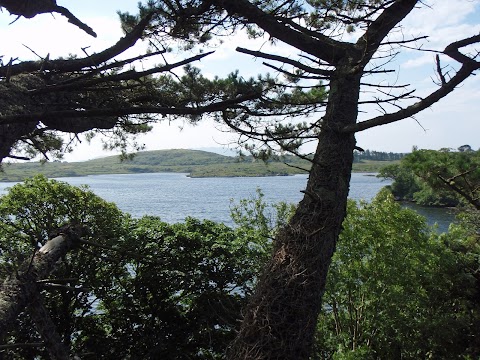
{"points": [[124, 76], [321, 46], [285, 60], [381, 27], [70, 65], [125, 111]]}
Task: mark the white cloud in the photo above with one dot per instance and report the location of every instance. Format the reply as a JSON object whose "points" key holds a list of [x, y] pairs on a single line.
{"points": [[434, 14], [438, 40]]}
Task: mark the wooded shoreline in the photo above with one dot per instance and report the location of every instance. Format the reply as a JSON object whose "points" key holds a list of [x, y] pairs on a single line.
{"points": [[195, 163]]}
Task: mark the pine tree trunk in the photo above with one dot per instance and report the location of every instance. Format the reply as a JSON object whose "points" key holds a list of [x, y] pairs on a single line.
{"points": [[281, 317]]}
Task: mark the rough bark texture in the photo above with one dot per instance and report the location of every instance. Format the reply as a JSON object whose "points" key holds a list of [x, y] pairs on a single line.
{"points": [[21, 288], [281, 317]]}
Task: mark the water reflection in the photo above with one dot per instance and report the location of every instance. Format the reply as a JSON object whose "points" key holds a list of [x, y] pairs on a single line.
{"points": [[442, 217]]}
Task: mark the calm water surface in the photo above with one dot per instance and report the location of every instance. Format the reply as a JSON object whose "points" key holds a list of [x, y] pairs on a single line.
{"points": [[173, 196]]}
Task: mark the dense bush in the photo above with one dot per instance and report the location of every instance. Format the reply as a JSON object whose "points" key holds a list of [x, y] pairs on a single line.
{"points": [[396, 290], [145, 288]]}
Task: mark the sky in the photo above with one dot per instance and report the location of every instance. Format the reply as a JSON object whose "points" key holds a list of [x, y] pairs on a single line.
{"points": [[452, 122]]}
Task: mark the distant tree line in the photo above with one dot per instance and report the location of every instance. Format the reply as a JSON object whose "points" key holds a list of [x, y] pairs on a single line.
{"points": [[437, 178], [359, 156]]}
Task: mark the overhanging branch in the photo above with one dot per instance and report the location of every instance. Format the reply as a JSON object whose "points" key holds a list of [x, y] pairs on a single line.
{"points": [[127, 75], [381, 27], [69, 65], [125, 111], [321, 46]]}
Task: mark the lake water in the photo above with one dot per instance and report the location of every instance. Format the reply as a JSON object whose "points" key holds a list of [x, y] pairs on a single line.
{"points": [[174, 196]]}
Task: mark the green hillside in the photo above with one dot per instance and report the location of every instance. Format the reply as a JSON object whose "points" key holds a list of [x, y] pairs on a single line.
{"points": [[173, 157], [197, 163]]}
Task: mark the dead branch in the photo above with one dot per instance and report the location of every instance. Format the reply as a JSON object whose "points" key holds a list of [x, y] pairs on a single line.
{"points": [[30, 9], [468, 67], [46, 328], [440, 71]]}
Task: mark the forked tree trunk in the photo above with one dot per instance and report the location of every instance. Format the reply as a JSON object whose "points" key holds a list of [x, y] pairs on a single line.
{"points": [[21, 288], [280, 319]]}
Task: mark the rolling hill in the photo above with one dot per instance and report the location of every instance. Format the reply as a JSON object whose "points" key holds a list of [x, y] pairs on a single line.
{"points": [[196, 163]]}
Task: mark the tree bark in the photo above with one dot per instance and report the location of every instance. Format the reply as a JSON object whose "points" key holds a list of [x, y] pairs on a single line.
{"points": [[30, 9], [281, 317], [47, 329], [21, 288]]}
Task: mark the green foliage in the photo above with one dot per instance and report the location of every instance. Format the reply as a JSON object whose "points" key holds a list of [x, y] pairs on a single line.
{"points": [[157, 290], [455, 172], [182, 298], [34, 210], [261, 218], [149, 289], [436, 178], [463, 238], [30, 214], [404, 185], [395, 290]]}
